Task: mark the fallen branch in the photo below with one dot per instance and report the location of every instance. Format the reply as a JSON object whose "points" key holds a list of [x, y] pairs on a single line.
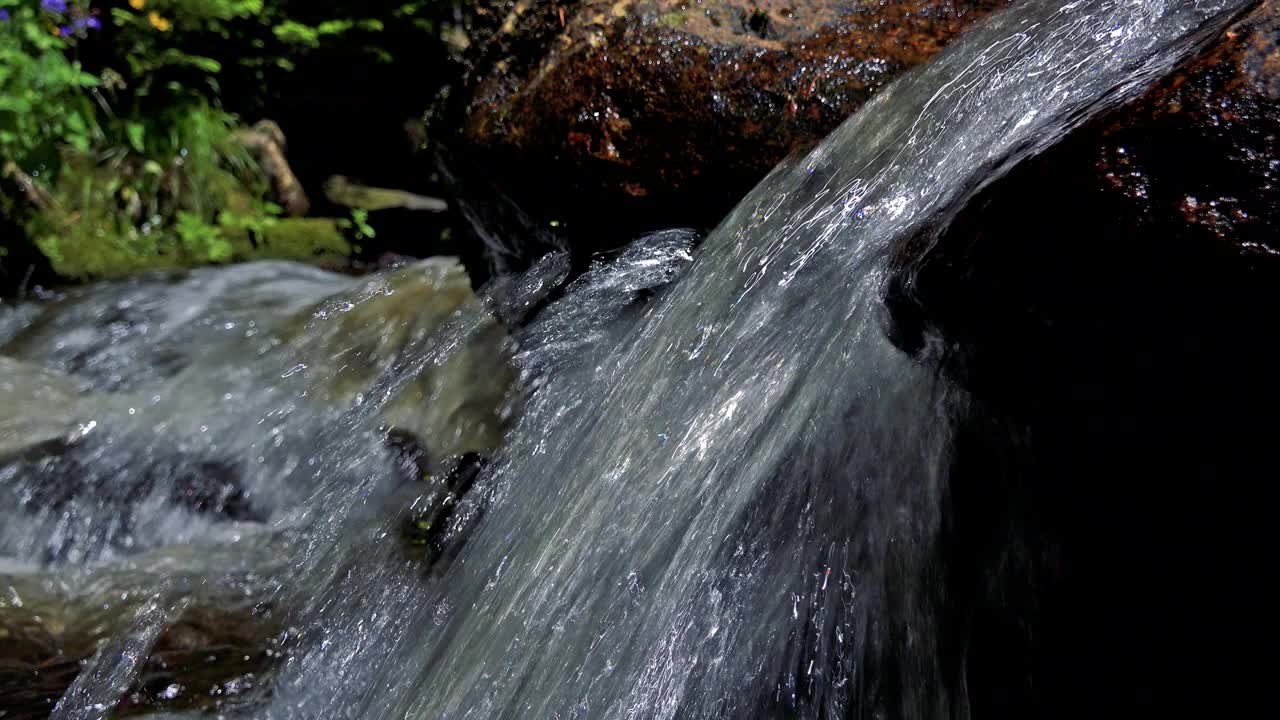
{"points": [[35, 193], [266, 141], [342, 191]]}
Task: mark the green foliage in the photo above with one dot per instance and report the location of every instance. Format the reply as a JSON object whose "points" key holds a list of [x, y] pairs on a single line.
{"points": [[118, 148], [201, 238], [134, 165], [131, 213], [310, 36], [43, 98], [150, 203], [359, 224]]}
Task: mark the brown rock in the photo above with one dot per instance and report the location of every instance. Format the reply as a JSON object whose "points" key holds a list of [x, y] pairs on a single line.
{"points": [[1139, 254], [203, 660], [1109, 307], [680, 107], [1200, 148]]}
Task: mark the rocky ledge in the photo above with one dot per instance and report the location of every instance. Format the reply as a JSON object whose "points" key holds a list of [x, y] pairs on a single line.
{"points": [[664, 113]]}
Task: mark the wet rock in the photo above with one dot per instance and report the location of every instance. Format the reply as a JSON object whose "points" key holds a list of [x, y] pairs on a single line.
{"points": [[82, 500], [121, 336], [409, 453], [56, 474], [420, 334], [1200, 152], [438, 522], [1173, 192], [26, 387], [1107, 305], [208, 658], [412, 350], [603, 107]]}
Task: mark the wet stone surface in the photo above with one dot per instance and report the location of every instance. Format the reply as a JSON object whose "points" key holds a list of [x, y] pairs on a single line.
{"points": [[208, 658], [1200, 152], [665, 113]]}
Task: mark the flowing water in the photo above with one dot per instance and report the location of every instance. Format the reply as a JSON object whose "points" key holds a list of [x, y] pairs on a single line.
{"points": [[715, 497]]}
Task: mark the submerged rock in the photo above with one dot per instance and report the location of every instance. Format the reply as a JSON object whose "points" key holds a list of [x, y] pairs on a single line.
{"points": [[208, 658], [437, 521], [37, 406], [676, 107], [138, 439], [422, 319]]}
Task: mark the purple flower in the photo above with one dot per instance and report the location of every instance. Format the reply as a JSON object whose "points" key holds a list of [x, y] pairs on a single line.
{"points": [[4, 15], [54, 6], [64, 31], [93, 23]]}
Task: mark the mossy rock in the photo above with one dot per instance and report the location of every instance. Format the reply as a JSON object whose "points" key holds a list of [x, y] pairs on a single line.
{"points": [[203, 660], [103, 254], [107, 255], [318, 240], [456, 405]]}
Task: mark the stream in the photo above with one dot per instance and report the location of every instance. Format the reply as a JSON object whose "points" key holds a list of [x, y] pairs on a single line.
{"points": [[698, 480]]}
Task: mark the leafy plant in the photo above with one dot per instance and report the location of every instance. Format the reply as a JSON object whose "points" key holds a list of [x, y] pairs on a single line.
{"points": [[43, 98], [359, 223], [116, 151]]}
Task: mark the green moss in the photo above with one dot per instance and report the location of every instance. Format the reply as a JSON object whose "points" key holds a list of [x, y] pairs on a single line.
{"points": [[201, 202], [306, 239], [673, 20], [82, 255], [85, 254]]}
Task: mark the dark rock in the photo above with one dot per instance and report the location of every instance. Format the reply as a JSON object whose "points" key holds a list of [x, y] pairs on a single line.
{"points": [[1106, 305], [68, 489], [1173, 189], [1201, 150], [666, 113], [66, 472], [409, 453], [438, 521], [207, 659]]}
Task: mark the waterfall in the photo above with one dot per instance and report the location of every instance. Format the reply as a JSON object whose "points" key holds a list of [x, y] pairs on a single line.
{"points": [[723, 491]]}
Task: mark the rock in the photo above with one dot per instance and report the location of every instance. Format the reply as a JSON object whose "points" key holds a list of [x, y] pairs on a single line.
{"points": [[25, 387], [1107, 307], [434, 523], [57, 473], [396, 319], [411, 351], [1201, 150], [653, 106], [203, 661], [1163, 208]]}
